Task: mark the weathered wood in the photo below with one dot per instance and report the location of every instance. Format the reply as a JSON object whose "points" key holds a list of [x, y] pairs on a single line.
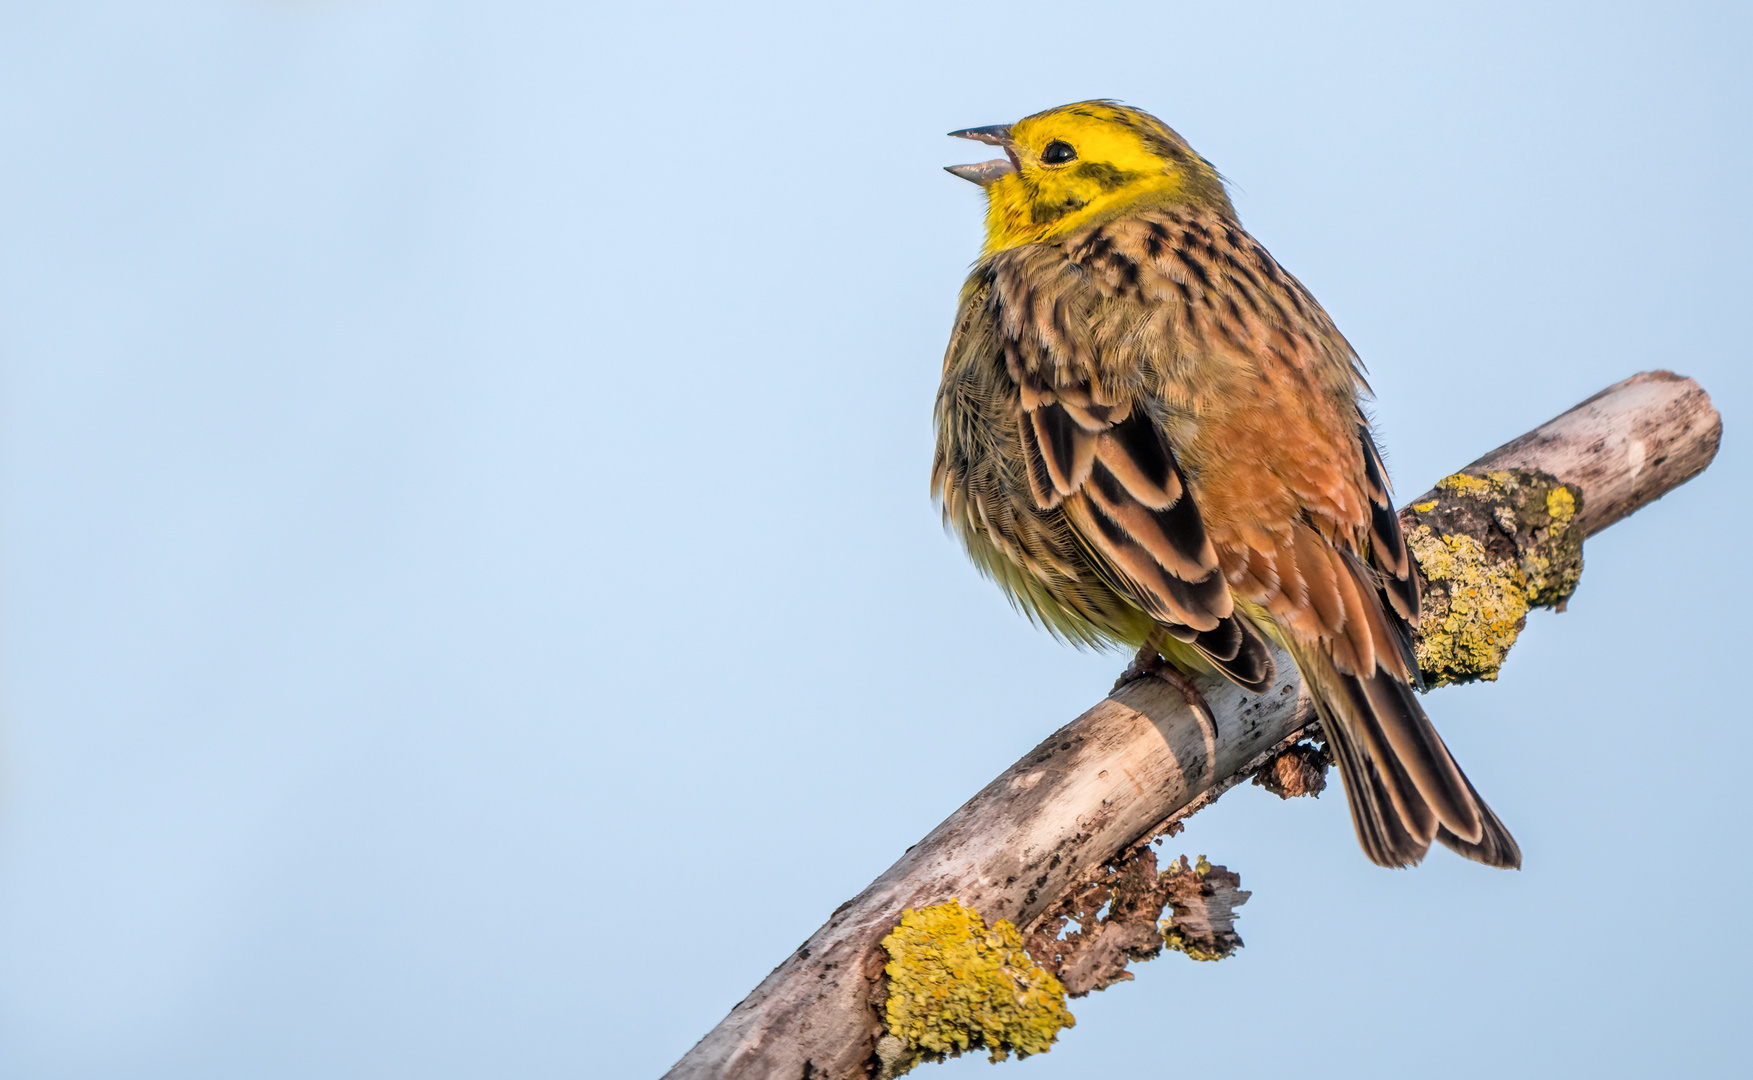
{"points": [[1627, 446], [1136, 762]]}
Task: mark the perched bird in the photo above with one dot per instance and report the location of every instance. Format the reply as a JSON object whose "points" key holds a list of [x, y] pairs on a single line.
{"points": [[1149, 434]]}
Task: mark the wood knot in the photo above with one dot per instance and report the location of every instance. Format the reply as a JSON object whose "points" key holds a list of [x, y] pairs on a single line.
{"points": [[1295, 771]]}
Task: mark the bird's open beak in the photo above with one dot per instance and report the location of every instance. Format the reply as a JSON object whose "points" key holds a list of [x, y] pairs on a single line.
{"points": [[985, 172], [993, 135]]}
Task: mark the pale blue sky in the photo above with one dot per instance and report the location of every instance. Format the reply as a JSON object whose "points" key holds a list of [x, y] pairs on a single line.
{"points": [[472, 600]]}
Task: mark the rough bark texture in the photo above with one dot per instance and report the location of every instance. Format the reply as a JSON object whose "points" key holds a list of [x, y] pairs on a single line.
{"points": [[1077, 811], [1627, 446]]}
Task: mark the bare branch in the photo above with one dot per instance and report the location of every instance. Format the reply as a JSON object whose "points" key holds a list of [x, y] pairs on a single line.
{"points": [[1139, 761]]}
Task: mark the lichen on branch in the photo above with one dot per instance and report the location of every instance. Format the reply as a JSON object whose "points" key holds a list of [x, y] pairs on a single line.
{"points": [[954, 985], [1490, 547], [1091, 794]]}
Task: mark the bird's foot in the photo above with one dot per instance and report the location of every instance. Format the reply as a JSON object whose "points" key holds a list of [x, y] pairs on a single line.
{"points": [[1150, 663], [1147, 663]]}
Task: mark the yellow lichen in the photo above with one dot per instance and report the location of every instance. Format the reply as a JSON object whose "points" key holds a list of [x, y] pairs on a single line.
{"points": [[1463, 484], [1549, 581], [1487, 605], [1478, 599], [955, 985], [1561, 505]]}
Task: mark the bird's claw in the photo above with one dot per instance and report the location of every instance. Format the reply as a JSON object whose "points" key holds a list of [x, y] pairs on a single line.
{"points": [[1149, 662]]}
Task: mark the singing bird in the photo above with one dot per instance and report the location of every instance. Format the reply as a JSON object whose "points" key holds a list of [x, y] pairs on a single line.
{"points": [[1149, 434]]}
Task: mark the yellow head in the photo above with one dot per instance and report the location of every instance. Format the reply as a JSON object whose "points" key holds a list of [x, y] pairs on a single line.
{"points": [[1081, 163]]}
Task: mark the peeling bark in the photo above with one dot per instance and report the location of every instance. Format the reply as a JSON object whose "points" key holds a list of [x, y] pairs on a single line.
{"points": [[1295, 771], [1118, 913], [1204, 899], [1080, 808]]}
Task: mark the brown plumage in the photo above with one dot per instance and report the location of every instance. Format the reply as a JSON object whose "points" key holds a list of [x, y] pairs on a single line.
{"points": [[1147, 427]]}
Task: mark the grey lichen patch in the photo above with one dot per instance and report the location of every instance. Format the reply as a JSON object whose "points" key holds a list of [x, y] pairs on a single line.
{"points": [[955, 985], [1117, 912], [1490, 546]]}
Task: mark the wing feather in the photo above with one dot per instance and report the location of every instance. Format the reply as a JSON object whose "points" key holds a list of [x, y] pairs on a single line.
{"points": [[1093, 453], [1086, 382], [1067, 449], [1388, 551], [1139, 459]]}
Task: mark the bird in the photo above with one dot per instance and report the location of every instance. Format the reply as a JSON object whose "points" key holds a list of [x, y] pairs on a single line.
{"points": [[1150, 435]]}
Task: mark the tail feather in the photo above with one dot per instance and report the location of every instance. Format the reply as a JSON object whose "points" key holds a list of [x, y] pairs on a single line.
{"points": [[1380, 830], [1357, 716], [1403, 786], [1414, 743], [1495, 846]]}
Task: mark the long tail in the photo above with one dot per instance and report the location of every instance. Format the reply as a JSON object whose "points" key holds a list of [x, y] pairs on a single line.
{"points": [[1404, 787]]}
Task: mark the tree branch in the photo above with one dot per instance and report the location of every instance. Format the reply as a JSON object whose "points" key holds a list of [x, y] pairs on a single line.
{"points": [[1502, 536]]}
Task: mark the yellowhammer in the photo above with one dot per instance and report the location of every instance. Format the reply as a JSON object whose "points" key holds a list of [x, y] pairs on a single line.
{"points": [[1148, 433]]}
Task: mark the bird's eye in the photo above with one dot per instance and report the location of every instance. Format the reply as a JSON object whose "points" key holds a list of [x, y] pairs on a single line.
{"points": [[1058, 153]]}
